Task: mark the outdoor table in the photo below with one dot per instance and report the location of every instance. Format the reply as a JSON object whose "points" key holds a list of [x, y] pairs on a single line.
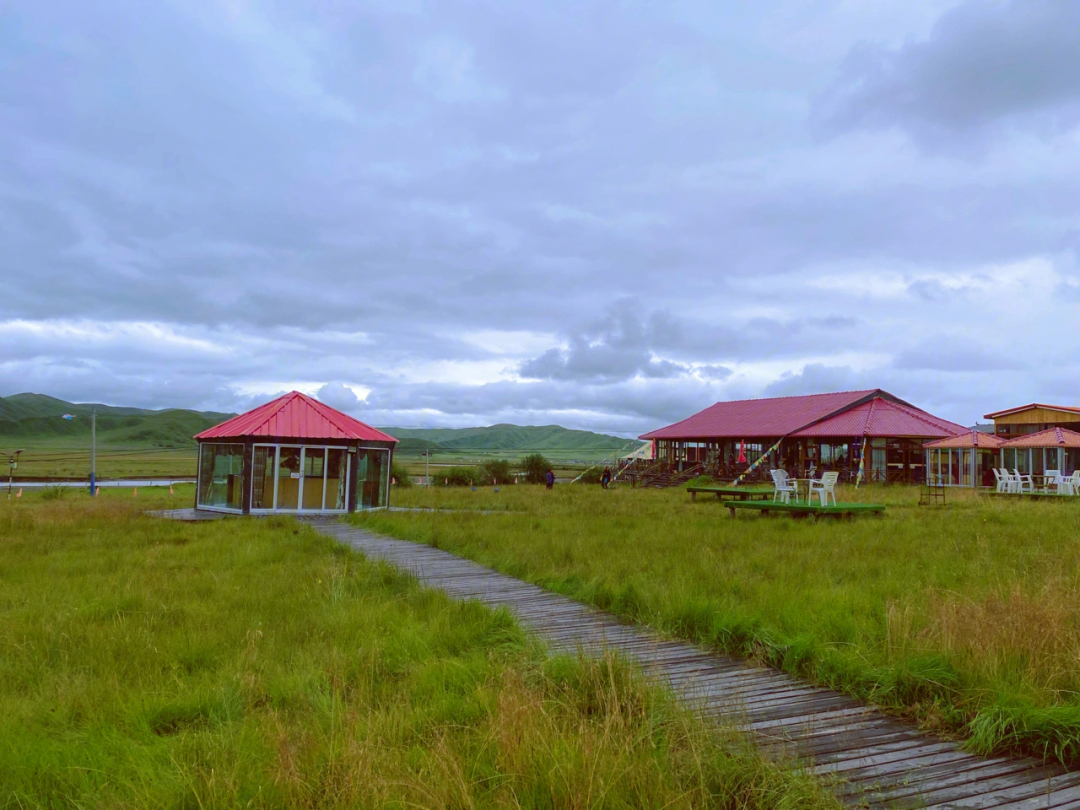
{"points": [[802, 488]]}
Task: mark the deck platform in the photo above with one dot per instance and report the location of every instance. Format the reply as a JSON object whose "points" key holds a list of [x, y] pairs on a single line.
{"points": [[734, 493], [803, 509]]}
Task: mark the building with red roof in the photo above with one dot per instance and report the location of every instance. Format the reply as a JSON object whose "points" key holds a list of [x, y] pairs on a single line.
{"points": [[293, 455], [1034, 418], [819, 431], [969, 459]]}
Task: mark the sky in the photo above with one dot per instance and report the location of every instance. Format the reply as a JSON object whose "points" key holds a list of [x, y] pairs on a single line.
{"points": [[605, 214]]}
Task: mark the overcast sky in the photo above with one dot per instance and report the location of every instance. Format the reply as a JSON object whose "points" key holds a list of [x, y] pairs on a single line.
{"points": [[600, 213]]}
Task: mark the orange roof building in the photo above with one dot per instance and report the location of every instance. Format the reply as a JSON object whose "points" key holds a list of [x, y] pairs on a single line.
{"points": [[969, 459], [293, 455]]}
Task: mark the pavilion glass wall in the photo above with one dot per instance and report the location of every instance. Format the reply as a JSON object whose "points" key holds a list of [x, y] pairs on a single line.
{"points": [[1037, 460], [960, 467], [295, 478], [221, 467], [372, 477]]}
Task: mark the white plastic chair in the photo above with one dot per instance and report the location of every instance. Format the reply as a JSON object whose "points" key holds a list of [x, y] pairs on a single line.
{"points": [[1001, 482], [782, 488], [824, 488], [1070, 485], [1012, 482], [1023, 482]]}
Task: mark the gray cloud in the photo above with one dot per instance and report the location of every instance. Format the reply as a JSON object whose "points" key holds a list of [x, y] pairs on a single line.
{"points": [[600, 214], [949, 353], [983, 63]]}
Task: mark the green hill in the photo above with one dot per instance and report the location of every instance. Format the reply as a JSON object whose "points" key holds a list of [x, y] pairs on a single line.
{"points": [[514, 438], [36, 417]]}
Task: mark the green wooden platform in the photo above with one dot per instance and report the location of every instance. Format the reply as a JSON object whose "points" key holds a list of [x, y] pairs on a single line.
{"points": [[804, 509], [735, 493]]}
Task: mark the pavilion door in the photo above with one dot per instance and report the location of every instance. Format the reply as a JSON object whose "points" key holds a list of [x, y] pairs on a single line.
{"points": [[289, 477]]}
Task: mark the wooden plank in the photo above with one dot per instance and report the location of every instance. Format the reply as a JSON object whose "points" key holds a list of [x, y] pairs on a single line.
{"points": [[973, 785], [882, 760], [1038, 793]]}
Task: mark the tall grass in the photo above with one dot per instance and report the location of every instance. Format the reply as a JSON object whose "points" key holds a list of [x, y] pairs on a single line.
{"points": [[965, 618], [147, 663]]}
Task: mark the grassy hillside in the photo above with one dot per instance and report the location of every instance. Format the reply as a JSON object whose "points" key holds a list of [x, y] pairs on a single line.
{"points": [[519, 438], [36, 419]]}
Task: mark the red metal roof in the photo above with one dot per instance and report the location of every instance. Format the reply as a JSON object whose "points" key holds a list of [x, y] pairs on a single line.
{"points": [[1065, 408], [746, 418], [296, 416], [881, 417], [1054, 437], [973, 439]]}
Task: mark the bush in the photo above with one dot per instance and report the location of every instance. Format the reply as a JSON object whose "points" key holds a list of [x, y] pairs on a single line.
{"points": [[457, 477], [497, 470], [535, 467], [53, 493], [401, 476], [591, 476]]}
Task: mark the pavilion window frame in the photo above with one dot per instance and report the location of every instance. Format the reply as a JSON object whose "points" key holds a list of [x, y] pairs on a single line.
{"points": [[198, 479], [384, 483], [276, 456]]}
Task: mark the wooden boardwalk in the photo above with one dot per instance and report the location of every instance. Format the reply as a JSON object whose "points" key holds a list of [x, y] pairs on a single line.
{"points": [[882, 762]]}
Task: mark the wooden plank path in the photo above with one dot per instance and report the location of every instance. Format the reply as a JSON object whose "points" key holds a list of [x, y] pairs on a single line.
{"points": [[882, 762]]}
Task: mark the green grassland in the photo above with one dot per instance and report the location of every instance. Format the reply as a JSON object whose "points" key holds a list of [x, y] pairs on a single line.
{"points": [[965, 618], [152, 664]]}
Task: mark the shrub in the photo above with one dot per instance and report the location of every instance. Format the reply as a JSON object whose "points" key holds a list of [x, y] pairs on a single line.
{"points": [[401, 476], [591, 475], [457, 477], [497, 470], [53, 493], [535, 467]]}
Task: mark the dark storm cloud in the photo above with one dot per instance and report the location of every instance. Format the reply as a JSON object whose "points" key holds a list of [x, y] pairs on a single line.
{"points": [[594, 213], [983, 63]]}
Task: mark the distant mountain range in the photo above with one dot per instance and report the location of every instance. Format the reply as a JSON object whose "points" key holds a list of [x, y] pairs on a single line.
{"points": [[39, 417], [511, 438]]}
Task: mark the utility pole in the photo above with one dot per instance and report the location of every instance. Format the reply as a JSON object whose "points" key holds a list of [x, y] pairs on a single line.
{"points": [[13, 464], [93, 451], [427, 467]]}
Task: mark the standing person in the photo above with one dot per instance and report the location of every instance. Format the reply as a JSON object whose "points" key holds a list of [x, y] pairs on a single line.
{"points": [[549, 478], [605, 479]]}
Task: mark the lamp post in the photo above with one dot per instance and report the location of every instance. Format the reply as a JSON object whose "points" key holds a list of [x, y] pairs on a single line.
{"points": [[13, 464]]}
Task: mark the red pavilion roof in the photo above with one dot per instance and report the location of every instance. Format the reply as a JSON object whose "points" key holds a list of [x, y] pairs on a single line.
{"points": [[882, 417], [972, 440], [295, 416], [1053, 437]]}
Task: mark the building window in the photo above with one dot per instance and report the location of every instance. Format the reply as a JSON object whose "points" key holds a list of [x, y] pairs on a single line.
{"points": [[220, 470]]}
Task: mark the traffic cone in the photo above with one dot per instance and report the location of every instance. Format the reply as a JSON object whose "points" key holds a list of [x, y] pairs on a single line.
{"points": [[18, 494], [170, 489], [135, 492]]}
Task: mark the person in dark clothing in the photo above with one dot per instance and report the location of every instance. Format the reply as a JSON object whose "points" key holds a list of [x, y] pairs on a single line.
{"points": [[549, 478], [605, 479]]}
